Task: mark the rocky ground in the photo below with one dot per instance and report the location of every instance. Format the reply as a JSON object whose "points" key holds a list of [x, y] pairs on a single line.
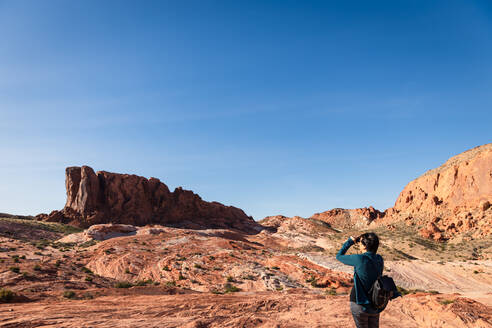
{"points": [[283, 276]]}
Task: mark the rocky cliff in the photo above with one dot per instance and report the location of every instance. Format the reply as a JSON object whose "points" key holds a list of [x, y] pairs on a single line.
{"points": [[452, 199], [104, 197], [449, 201]]}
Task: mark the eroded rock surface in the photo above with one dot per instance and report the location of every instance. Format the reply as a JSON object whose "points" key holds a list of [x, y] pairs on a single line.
{"points": [[104, 197], [455, 197]]}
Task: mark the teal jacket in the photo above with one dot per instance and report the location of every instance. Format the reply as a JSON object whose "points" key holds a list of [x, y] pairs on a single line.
{"points": [[367, 268]]}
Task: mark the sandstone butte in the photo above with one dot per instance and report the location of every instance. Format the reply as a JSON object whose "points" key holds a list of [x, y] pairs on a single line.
{"points": [[449, 201], [104, 197]]}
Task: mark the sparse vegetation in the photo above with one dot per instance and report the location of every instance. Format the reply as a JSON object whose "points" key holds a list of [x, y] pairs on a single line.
{"points": [[70, 294], [331, 291], [15, 269], [166, 268], [6, 295], [229, 288], [446, 301], [37, 267], [123, 284], [88, 244], [86, 270]]}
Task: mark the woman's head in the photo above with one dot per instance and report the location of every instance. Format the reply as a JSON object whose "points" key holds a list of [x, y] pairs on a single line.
{"points": [[370, 241]]}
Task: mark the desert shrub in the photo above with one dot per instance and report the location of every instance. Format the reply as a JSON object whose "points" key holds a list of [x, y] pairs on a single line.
{"points": [[446, 302], [144, 282], [229, 288], [123, 284], [88, 244], [15, 269], [57, 263], [331, 291], [127, 271], [230, 279], [181, 277], [69, 294], [166, 268], [171, 283], [88, 278], [311, 279], [37, 267], [275, 268], [6, 295], [278, 289], [86, 270], [198, 266]]}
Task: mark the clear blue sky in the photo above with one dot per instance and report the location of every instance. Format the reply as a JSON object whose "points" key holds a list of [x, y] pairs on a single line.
{"points": [[276, 107]]}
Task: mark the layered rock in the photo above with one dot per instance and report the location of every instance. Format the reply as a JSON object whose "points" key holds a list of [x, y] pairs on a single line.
{"points": [[452, 200], [349, 218], [104, 197], [455, 197]]}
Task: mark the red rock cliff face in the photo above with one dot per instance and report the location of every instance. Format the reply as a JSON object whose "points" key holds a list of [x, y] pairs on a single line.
{"points": [[104, 197], [453, 198]]}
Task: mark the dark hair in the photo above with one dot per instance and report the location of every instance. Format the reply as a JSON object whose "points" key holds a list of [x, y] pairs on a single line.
{"points": [[371, 241]]}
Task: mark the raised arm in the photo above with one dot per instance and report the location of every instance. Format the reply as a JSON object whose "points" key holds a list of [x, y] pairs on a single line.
{"points": [[352, 260]]}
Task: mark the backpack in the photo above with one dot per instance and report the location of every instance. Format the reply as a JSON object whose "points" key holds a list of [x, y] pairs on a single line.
{"points": [[381, 292]]}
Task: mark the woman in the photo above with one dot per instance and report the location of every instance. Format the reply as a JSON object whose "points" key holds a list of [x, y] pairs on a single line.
{"points": [[368, 266]]}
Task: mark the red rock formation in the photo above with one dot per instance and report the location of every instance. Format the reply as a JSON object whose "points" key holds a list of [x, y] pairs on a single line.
{"points": [[104, 197], [346, 218], [456, 196]]}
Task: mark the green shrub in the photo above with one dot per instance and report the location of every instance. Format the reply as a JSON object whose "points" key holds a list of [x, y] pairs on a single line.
{"points": [[446, 302], [331, 291], [6, 295], [166, 268], [86, 270], [171, 283], [15, 269], [275, 268], [230, 279], [123, 284], [37, 267], [144, 282], [88, 278], [181, 277], [69, 294], [229, 288]]}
